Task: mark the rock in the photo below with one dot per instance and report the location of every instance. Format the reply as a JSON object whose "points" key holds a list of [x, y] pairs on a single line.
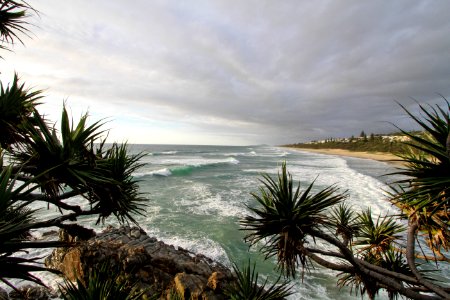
{"points": [[217, 281], [189, 286], [157, 267], [29, 292], [74, 232], [3, 294], [135, 233], [71, 265], [49, 233]]}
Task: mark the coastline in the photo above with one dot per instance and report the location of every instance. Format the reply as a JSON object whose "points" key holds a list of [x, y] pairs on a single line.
{"points": [[379, 156]]}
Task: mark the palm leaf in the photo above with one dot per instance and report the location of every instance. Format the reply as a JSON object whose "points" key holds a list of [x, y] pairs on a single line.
{"points": [[12, 15], [284, 216], [17, 104], [247, 287], [103, 283], [377, 236], [120, 195], [424, 195]]}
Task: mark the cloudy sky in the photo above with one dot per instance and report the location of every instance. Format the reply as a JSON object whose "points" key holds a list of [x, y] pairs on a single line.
{"points": [[236, 72]]}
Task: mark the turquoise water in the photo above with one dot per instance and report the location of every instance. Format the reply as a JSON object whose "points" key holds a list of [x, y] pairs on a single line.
{"points": [[197, 195]]}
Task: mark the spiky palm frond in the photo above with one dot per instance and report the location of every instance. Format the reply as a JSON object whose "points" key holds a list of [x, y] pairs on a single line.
{"points": [[104, 177], [12, 23], [14, 217], [360, 283], [104, 283], [66, 162], [15, 222], [247, 287], [376, 237], [394, 261], [344, 220], [391, 259], [17, 104], [425, 193], [428, 166], [285, 216], [21, 268], [120, 196]]}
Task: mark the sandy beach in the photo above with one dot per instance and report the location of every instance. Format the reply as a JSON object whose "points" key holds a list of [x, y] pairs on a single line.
{"points": [[380, 156]]}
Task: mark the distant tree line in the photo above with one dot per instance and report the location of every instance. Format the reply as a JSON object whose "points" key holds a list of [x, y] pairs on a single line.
{"points": [[371, 143]]}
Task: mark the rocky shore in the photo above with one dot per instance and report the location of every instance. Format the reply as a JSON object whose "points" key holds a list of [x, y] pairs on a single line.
{"points": [[158, 268]]}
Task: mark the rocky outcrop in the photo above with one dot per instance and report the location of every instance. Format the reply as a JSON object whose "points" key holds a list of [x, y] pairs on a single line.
{"points": [[29, 292], [157, 267]]}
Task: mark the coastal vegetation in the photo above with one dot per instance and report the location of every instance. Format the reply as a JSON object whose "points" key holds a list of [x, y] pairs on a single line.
{"points": [[40, 164], [371, 253], [392, 143]]}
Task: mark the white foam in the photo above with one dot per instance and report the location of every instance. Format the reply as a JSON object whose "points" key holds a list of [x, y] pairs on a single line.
{"points": [[169, 152], [198, 162], [200, 200], [200, 245]]}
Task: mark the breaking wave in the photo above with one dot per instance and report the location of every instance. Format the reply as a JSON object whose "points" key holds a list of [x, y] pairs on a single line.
{"points": [[185, 167]]}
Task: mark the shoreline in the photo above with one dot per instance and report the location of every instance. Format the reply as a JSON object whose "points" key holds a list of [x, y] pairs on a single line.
{"points": [[379, 156]]}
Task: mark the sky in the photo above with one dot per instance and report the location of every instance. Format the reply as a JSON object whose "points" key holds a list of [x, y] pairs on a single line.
{"points": [[236, 72]]}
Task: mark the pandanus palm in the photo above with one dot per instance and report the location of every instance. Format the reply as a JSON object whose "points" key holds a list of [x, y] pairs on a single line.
{"points": [[50, 166], [285, 217], [76, 162], [12, 21], [67, 160], [39, 163], [376, 237], [247, 286], [17, 105], [103, 283], [344, 221], [119, 195], [425, 199], [15, 222]]}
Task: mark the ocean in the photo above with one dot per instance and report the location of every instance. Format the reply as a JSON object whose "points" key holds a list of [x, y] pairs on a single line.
{"points": [[196, 196]]}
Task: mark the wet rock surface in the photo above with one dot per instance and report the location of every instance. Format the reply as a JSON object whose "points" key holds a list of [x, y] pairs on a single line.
{"points": [[157, 267]]}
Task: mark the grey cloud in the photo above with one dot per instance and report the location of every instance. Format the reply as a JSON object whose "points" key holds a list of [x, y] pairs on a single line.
{"points": [[271, 71]]}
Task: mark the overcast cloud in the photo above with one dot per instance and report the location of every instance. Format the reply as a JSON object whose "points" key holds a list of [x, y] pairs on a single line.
{"points": [[237, 72]]}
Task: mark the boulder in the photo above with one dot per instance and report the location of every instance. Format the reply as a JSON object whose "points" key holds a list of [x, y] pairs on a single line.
{"points": [[156, 266], [30, 292], [3, 294]]}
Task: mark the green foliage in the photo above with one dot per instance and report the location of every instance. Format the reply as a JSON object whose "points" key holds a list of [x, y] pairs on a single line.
{"points": [[39, 163], [46, 165], [103, 177], [119, 195], [429, 165], [17, 105], [246, 286], [376, 144], [15, 222], [285, 216], [343, 219], [426, 196], [12, 15], [69, 161], [371, 253], [102, 284], [376, 237]]}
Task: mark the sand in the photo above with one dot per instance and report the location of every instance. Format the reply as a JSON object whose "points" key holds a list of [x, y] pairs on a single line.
{"points": [[380, 156]]}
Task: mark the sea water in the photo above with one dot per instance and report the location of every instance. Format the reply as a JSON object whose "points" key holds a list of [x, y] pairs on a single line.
{"points": [[196, 196]]}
